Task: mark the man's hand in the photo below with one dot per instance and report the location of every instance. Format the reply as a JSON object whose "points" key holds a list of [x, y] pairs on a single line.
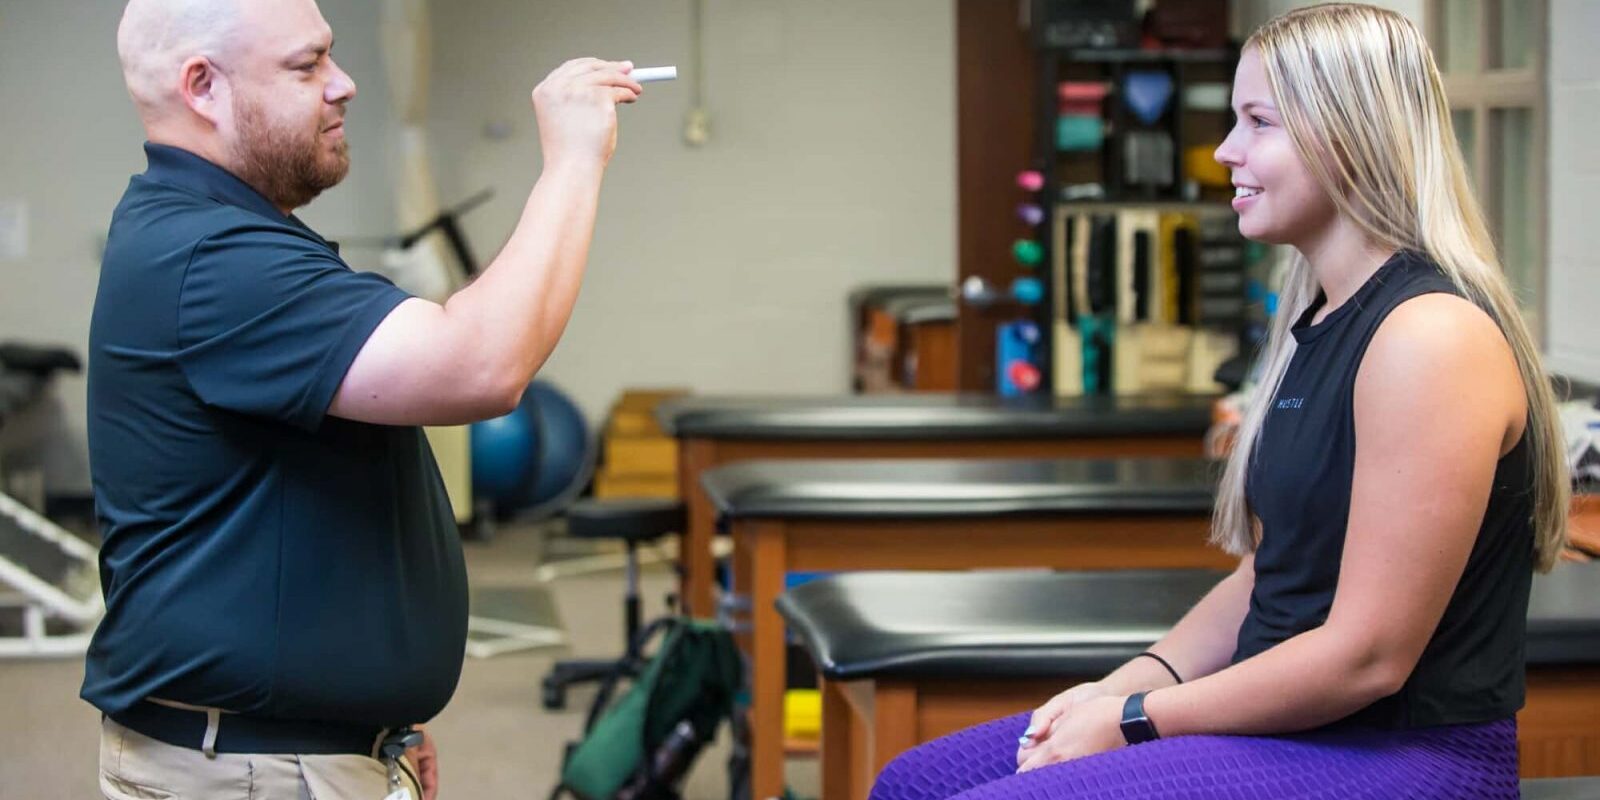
{"points": [[1090, 727], [576, 107], [426, 759]]}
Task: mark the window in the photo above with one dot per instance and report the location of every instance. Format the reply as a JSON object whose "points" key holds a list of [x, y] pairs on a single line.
{"points": [[1492, 55]]}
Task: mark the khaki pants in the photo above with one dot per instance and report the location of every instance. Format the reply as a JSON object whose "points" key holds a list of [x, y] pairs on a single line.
{"points": [[136, 767]]}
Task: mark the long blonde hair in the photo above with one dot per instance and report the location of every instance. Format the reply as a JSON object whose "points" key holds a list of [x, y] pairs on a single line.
{"points": [[1362, 100]]}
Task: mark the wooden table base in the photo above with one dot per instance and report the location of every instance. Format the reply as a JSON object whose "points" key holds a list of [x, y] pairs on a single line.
{"points": [[865, 724]]}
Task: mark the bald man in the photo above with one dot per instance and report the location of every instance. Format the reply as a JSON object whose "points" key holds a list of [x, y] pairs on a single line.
{"points": [[285, 590]]}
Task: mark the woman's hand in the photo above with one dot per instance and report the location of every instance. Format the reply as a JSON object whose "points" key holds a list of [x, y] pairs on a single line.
{"points": [[1046, 715], [1090, 726]]}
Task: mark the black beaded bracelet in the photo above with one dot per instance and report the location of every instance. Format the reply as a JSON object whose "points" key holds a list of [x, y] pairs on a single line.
{"points": [[1162, 662]]}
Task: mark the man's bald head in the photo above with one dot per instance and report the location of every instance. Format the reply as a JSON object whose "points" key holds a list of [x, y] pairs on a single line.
{"points": [[249, 85], [156, 38]]}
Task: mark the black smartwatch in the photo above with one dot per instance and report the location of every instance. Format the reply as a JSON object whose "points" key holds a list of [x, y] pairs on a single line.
{"points": [[1136, 727]]}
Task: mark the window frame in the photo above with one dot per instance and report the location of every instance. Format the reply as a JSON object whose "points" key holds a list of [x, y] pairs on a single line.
{"points": [[1485, 90]]}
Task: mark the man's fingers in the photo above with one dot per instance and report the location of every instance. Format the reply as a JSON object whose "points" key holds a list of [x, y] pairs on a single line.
{"points": [[611, 77], [429, 777], [581, 65], [625, 82], [578, 68]]}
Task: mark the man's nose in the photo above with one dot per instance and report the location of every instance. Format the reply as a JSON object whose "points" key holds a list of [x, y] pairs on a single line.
{"points": [[342, 88]]}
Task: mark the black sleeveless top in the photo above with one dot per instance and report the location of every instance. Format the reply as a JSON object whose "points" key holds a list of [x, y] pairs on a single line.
{"points": [[1299, 485]]}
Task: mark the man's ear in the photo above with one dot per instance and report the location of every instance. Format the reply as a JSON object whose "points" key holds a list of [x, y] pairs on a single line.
{"points": [[204, 89]]}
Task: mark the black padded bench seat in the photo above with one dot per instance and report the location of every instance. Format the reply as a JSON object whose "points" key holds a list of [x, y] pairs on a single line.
{"points": [[926, 488], [1042, 624], [953, 649], [876, 625], [933, 416]]}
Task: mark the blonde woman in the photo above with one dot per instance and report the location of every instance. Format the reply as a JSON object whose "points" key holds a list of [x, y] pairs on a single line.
{"points": [[1393, 490]]}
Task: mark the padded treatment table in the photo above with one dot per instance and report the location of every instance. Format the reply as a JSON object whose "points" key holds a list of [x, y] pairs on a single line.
{"points": [[17, 390], [906, 657], [712, 431], [925, 356], [25, 370], [941, 515]]}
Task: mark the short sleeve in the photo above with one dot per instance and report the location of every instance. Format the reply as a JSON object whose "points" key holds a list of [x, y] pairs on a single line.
{"points": [[269, 320]]}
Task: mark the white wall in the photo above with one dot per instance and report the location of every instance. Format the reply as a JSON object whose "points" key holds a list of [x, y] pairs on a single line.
{"points": [[832, 163], [1249, 14], [1573, 291], [71, 141]]}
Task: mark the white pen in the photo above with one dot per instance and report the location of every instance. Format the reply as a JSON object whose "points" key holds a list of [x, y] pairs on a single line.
{"points": [[651, 74]]}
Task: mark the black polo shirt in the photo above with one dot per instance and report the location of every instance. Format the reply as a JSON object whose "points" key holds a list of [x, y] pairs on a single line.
{"points": [[259, 555]]}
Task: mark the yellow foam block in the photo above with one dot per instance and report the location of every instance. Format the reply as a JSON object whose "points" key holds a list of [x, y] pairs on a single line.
{"points": [[646, 399], [802, 714], [641, 455], [608, 485], [626, 422]]}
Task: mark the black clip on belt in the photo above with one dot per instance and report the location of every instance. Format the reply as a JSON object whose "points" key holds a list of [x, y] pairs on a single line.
{"points": [[392, 748]]}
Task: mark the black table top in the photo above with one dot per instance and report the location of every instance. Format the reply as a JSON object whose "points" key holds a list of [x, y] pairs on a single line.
{"points": [[933, 417], [1043, 624], [932, 488], [916, 309], [876, 294]]}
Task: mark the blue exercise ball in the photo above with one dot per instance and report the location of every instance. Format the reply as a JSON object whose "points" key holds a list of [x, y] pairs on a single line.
{"points": [[557, 461], [504, 455]]}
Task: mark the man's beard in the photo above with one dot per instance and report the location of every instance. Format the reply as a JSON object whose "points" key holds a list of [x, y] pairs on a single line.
{"points": [[285, 165]]}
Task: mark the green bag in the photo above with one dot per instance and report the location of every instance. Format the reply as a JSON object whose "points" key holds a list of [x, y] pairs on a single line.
{"points": [[692, 678]]}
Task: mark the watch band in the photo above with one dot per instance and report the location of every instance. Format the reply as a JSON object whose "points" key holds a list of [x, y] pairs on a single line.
{"points": [[1137, 728]]}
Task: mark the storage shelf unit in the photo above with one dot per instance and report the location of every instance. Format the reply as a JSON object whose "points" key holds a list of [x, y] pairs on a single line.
{"points": [[1105, 166]]}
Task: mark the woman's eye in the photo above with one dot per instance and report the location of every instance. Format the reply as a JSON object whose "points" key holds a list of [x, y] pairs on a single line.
{"points": [[1257, 122]]}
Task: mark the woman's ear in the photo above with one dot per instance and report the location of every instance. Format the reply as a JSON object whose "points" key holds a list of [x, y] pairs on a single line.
{"points": [[205, 89]]}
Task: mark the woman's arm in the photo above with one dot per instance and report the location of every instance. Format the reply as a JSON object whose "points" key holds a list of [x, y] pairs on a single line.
{"points": [[1200, 644], [1438, 399], [1204, 640]]}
